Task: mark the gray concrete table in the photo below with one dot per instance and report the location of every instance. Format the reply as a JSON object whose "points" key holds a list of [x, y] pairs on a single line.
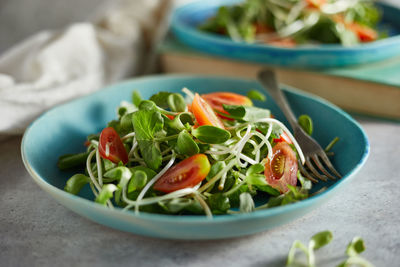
{"points": [[37, 231]]}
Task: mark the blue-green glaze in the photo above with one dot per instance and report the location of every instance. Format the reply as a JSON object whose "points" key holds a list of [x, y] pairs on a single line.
{"points": [[64, 129], [186, 18]]}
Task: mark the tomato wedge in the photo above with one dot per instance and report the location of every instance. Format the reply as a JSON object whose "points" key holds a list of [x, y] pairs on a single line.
{"points": [[186, 173], [217, 100], [316, 3], [203, 113], [111, 146], [282, 169], [283, 138], [364, 33]]}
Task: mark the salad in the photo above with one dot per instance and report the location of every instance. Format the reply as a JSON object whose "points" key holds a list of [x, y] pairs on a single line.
{"points": [[193, 154], [293, 22]]}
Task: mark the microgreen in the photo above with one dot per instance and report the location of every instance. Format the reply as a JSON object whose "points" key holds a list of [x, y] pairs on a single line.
{"points": [[306, 123], [353, 251], [211, 134], [321, 239], [256, 95], [106, 193], [316, 242], [75, 184], [176, 102], [136, 98], [246, 113], [186, 145], [146, 124], [246, 203]]}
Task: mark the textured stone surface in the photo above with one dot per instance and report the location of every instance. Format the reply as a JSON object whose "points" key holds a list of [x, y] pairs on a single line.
{"points": [[37, 231]]}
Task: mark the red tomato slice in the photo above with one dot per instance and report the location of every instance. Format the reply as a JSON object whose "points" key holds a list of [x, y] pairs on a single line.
{"points": [[283, 138], [186, 173], [282, 169], [111, 146], [316, 3], [203, 113], [217, 100], [364, 33]]}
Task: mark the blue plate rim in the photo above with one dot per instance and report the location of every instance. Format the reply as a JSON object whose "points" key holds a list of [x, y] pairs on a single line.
{"points": [[177, 25], [197, 218]]}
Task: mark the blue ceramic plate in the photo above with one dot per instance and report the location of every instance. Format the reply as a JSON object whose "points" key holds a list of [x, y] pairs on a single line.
{"points": [[64, 129], [186, 18]]}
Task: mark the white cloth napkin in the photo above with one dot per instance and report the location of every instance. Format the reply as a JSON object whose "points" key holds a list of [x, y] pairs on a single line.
{"points": [[52, 67]]}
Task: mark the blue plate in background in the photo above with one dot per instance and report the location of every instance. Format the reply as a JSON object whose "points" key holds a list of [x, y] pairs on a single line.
{"points": [[186, 18], [64, 129]]}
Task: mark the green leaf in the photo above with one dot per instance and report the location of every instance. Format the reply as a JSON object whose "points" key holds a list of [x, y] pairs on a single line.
{"points": [[218, 203], [138, 181], [211, 135], [305, 183], [182, 121], [126, 122], [69, 161], [246, 203], [147, 105], [306, 123], [256, 168], [268, 189], [292, 252], [150, 153], [246, 113], [355, 247], [136, 98], [186, 145], [161, 99], [76, 183], [215, 168], [176, 205], [176, 102], [149, 172], [256, 179], [146, 123], [235, 111], [256, 95], [118, 173], [321, 239], [106, 193]]}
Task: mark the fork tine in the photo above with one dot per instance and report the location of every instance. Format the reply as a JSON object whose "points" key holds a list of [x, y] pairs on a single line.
{"points": [[321, 167], [314, 171], [329, 164], [306, 174]]}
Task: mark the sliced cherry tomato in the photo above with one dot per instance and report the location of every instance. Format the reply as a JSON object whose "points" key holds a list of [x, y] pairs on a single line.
{"points": [[364, 33], [283, 138], [217, 100], [186, 173], [111, 146], [170, 117], [282, 169], [316, 3], [204, 114]]}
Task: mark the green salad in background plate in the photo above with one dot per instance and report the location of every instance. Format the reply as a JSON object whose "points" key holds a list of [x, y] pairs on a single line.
{"points": [[293, 22]]}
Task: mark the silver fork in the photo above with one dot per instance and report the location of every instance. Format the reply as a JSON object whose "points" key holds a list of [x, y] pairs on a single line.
{"points": [[312, 151]]}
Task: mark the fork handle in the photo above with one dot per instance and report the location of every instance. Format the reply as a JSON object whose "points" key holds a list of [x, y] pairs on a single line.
{"points": [[268, 80]]}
